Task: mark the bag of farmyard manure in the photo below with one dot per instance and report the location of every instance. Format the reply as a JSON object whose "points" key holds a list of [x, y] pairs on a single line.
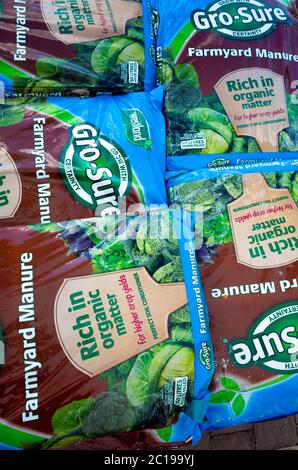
{"points": [[231, 74], [66, 158], [249, 267], [101, 333], [76, 47]]}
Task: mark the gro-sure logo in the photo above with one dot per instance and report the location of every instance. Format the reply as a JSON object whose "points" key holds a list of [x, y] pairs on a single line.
{"points": [[95, 170], [205, 355], [218, 162], [239, 19], [272, 341]]}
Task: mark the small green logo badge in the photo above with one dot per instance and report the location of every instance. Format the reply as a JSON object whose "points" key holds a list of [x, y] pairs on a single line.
{"points": [[154, 23], [272, 341], [218, 162], [205, 355], [95, 170], [136, 128], [243, 19]]}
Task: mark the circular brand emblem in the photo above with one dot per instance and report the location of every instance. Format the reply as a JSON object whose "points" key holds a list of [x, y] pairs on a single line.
{"points": [[272, 341], [239, 20], [95, 170]]}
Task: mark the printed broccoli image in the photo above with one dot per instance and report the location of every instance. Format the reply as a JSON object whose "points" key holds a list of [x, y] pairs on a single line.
{"points": [[109, 412]]}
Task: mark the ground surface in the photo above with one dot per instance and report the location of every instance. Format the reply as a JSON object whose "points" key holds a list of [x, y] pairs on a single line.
{"points": [[277, 434]]}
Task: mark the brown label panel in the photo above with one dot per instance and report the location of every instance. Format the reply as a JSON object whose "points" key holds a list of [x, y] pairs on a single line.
{"points": [[255, 101], [89, 21], [10, 186], [102, 320], [264, 222]]}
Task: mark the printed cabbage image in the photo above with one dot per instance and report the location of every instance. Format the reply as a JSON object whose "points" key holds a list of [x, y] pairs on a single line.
{"points": [[200, 46], [75, 48]]}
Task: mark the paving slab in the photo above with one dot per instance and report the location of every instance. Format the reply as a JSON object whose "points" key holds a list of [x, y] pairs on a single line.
{"points": [[276, 434], [242, 440]]}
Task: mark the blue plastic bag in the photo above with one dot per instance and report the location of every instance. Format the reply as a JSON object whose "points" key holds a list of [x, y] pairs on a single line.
{"points": [[63, 158], [137, 354], [248, 261], [230, 71]]}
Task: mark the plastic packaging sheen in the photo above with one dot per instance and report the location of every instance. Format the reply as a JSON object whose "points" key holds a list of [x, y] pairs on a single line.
{"points": [[100, 345], [231, 72], [247, 219], [57, 48], [188, 164], [150, 34], [66, 158]]}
